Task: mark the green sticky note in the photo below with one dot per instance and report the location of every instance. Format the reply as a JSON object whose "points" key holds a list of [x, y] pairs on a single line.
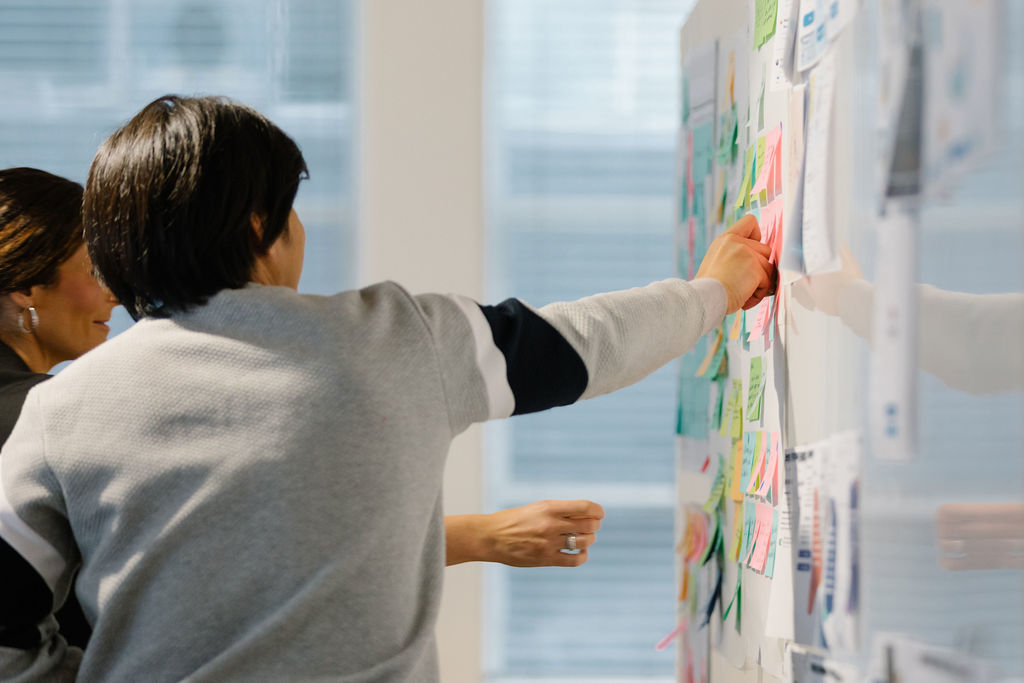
{"points": [[748, 460], [736, 431], [716, 489], [716, 415], [765, 16], [755, 389], [759, 161], [716, 540], [739, 600], [741, 199]]}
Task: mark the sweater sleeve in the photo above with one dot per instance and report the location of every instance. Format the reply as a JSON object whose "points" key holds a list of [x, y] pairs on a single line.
{"points": [[38, 555], [525, 360]]}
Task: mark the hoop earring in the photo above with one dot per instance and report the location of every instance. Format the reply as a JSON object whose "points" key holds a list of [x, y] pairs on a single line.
{"points": [[33, 317]]}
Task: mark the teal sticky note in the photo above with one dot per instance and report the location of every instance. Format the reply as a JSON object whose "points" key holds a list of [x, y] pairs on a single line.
{"points": [[749, 522], [769, 566], [694, 398], [718, 367], [716, 415]]}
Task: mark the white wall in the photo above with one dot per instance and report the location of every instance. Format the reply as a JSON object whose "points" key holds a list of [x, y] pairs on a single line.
{"points": [[421, 216]]}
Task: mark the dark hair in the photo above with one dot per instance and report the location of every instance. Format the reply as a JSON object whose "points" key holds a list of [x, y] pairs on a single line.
{"points": [[40, 226], [170, 198]]}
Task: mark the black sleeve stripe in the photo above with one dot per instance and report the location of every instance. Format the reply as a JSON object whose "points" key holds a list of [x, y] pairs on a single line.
{"points": [[25, 600], [543, 369]]}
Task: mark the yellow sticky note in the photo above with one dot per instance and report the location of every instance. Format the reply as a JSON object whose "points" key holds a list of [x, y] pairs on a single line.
{"points": [[737, 419], [712, 350], [762, 145], [736, 472], [741, 198], [737, 531], [737, 323], [755, 470]]}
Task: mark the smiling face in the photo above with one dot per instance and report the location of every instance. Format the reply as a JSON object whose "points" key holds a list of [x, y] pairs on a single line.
{"points": [[73, 312]]}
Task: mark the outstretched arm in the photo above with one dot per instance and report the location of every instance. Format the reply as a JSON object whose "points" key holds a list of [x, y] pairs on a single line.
{"points": [[512, 359], [530, 536]]}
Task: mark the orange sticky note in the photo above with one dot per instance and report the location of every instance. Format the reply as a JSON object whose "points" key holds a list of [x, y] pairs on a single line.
{"points": [[736, 472]]}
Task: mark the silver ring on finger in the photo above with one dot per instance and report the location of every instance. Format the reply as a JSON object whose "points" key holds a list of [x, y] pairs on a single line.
{"points": [[570, 542]]}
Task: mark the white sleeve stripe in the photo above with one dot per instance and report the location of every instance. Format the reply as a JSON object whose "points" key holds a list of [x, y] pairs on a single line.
{"points": [[490, 360], [43, 557]]}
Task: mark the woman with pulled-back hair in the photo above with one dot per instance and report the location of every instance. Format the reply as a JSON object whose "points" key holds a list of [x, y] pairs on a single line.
{"points": [[52, 309], [249, 479]]}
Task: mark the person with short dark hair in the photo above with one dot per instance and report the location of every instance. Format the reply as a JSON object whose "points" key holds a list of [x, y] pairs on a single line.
{"points": [[52, 309], [249, 479]]}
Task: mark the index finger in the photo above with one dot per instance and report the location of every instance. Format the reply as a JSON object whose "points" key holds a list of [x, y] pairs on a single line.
{"points": [[577, 509], [747, 227]]}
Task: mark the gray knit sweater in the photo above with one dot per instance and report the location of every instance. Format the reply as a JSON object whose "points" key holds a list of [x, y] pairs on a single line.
{"points": [[252, 490]]}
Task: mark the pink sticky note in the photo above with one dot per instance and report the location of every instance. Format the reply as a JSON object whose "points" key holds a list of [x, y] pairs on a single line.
{"points": [[761, 321], [769, 172], [777, 184], [774, 138], [767, 222], [775, 240], [771, 470], [768, 227], [774, 142], [752, 544], [764, 536], [675, 633]]}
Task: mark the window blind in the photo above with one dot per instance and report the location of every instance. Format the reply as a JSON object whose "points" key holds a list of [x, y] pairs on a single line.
{"points": [[74, 70], [580, 137]]}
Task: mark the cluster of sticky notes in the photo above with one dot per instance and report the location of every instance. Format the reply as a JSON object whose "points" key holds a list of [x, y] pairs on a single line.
{"points": [[761, 521], [759, 464], [767, 311], [756, 521]]}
